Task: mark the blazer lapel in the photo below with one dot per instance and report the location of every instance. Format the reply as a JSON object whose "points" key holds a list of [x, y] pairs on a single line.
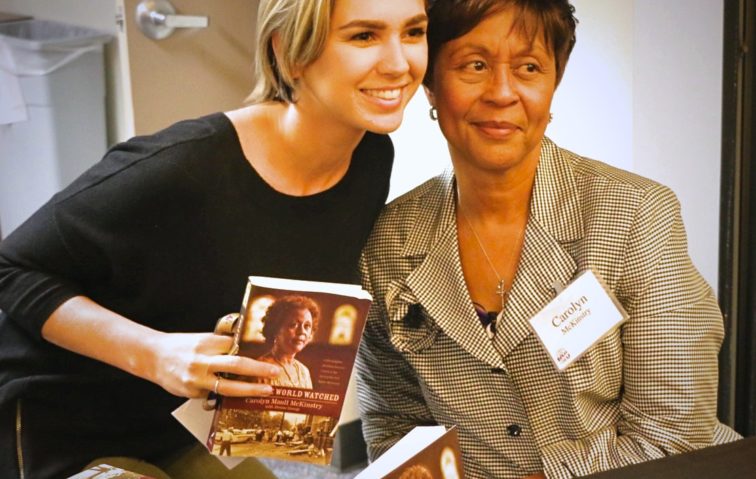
{"points": [[555, 220], [439, 285], [543, 264]]}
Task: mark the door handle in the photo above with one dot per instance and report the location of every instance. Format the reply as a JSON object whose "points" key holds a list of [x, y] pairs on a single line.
{"points": [[157, 19]]}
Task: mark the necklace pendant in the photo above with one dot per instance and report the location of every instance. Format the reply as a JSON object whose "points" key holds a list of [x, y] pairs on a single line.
{"points": [[501, 290]]}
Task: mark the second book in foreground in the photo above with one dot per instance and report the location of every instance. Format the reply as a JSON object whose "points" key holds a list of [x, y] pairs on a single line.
{"points": [[311, 330]]}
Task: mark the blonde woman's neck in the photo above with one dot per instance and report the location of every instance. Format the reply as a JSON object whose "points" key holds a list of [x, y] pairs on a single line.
{"points": [[295, 154]]}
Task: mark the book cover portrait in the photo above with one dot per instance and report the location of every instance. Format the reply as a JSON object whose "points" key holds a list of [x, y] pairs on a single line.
{"points": [[311, 331]]}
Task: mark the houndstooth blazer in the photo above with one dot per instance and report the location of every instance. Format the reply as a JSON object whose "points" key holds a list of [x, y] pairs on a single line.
{"points": [[647, 390]]}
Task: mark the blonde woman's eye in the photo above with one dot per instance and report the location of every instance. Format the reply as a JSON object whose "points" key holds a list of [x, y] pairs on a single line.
{"points": [[363, 36], [418, 32]]}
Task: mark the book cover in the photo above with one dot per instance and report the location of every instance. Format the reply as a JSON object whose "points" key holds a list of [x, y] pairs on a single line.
{"points": [[311, 330], [106, 471], [426, 452]]}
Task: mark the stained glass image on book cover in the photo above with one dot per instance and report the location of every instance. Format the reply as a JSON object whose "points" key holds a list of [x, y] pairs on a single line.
{"points": [[311, 330]]}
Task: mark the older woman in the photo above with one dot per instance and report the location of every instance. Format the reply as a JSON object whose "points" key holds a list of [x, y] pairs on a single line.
{"points": [[289, 325], [458, 266]]}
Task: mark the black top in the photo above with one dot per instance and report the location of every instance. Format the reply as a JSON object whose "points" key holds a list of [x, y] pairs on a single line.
{"points": [[164, 231]]}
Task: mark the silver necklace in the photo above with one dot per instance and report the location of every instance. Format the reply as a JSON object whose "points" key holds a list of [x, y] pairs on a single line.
{"points": [[501, 290]]}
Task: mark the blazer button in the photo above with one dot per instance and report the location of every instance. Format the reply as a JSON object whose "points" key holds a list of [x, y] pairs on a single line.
{"points": [[514, 430]]}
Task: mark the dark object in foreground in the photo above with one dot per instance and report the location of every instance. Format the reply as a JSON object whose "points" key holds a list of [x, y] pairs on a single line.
{"points": [[734, 460]]}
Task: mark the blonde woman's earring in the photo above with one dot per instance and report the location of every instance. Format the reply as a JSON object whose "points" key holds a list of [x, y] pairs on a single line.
{"points": [[433, 113]]}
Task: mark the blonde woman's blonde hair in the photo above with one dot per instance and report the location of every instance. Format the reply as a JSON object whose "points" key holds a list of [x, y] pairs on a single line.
{"points": [[301, 28]]}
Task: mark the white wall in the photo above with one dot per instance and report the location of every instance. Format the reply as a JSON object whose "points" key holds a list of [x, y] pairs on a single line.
{"points": [[97, 14], [677, 114], [593, 106], [642, 91]]}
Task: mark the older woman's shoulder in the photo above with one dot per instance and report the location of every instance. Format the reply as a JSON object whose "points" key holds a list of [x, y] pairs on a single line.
{"points": [[588, 169], [612, 185], [420, 210], [426, 197]]}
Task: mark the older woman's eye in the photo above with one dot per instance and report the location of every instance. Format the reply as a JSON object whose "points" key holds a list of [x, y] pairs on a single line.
{"points": [[529, 68], [475, 66]]}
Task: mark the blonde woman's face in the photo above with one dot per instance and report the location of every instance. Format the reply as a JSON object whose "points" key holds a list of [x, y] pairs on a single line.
{"points": [[373, 62]]}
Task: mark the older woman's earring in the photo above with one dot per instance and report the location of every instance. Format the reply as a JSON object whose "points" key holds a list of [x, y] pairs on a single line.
{"points": [[551, 117], [433, 113]]}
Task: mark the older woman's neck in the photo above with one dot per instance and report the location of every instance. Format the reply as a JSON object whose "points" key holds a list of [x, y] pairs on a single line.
{"points": [[495, 195], [282, 357]]}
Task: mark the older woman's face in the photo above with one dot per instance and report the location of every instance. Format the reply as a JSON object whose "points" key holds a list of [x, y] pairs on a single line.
{"points": [[295, 332], [493, 89]]}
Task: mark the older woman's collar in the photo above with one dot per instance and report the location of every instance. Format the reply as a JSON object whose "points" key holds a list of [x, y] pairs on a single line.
{"points": [[555, 202], [434, 214]]}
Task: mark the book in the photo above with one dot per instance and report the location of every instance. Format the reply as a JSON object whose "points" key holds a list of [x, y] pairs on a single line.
{"points": [[106, 471], [426, 452], [311, 330]]}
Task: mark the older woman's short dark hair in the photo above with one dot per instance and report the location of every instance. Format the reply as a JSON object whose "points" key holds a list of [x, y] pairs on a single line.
{"points": [[451, 19], [282, 309]]}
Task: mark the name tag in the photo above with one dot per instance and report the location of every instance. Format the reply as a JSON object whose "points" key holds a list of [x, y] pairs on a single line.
{"points": [[581, 314]]}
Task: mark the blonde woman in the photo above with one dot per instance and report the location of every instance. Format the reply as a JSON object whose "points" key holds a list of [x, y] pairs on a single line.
{"points": [[110, 289]]}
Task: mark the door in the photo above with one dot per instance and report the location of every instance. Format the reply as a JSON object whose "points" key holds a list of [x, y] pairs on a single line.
{"points": [[194, 71]]}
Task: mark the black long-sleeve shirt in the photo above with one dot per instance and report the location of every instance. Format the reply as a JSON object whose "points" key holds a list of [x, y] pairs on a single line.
{"points": [[164, 231]]}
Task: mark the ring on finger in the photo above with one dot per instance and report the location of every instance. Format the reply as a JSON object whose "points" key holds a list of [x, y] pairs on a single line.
{"points": [[217, 384], [227, 325]]}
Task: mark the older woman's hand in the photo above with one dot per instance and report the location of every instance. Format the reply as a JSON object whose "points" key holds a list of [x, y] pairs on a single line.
{"points": [[189, 365]]}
